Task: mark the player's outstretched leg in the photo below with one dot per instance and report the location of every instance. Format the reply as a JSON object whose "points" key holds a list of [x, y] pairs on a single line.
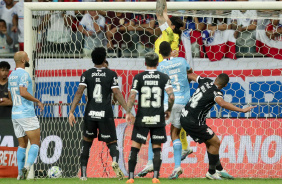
{"points": [[115, 156], [149, 166], [177, 148], [186, 150], [21, 161], [84, 156], [132, 163], [157, 161]]}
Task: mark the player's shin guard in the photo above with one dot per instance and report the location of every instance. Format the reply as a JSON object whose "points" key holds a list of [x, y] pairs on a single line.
{"points": [[177, 150], [183, 139], [21, 158], [84, 156], [132, 161], [32, 154], [150, 153], [114, 151], [213, 160], [157, 161]]}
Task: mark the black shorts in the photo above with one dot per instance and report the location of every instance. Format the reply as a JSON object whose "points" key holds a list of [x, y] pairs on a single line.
{"points": [[199, 133], [107, 129], [158, 134]]}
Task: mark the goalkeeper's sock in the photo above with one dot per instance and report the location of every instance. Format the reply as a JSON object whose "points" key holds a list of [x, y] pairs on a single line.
{"points": [[21, 158], [114, 151], [183, 139], [150, 153], [32, 154], [219, 166], [177, 150], [157, 161], [132, 161], [213, 160], [84, 156]]}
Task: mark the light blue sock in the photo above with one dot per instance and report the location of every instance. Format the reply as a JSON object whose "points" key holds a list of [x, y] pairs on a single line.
{"points": [[32, 154], [21, 158], [150, 153], [177, 150]]}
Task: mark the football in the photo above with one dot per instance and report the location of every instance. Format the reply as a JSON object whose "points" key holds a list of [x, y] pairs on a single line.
{"points": [[55, 172]]}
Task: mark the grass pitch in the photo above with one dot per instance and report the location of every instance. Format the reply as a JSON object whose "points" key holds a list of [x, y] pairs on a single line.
{"points": [[139, 181]]}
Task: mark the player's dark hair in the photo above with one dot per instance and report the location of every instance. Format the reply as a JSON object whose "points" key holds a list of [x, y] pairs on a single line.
{"points": [[222, 79], [98, 55], [178, 23], [165, 49], [1, 20], [5, 65], [151, 59]]}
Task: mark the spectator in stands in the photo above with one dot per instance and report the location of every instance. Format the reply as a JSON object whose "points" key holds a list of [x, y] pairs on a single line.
{"points": [[244, 27], [18, 22], [5, 40], [7, 15], [58, 24], [274, 30], [5, 100], [117, 24], [141, 29], [92, 26]]}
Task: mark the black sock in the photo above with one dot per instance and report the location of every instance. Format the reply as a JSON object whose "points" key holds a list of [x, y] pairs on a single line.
{"points": [[114, 151], [213, 160], [219, 166], [84, 156], [132, 161], [157, 161]]}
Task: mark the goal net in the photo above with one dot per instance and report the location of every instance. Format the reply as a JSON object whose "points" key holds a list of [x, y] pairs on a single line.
{"points": [[216, 37]]}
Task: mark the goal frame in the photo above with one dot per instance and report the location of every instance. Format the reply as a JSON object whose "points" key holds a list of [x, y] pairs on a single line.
{"points": [[115, 6]]}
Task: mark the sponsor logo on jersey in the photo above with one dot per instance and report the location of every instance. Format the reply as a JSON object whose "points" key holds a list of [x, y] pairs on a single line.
{"points": [[115, 81], [13, 83], [149, 120], [96, 114], [88, 133], [158, 137], [105, 136], [98, 74], [82, 79], [184, 113], [141, 137], [209, 131], [151, 76], [13, 77], [170, 66]]}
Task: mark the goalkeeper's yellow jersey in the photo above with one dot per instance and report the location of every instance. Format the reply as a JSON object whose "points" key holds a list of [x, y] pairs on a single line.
{"points": [[169, 36]]}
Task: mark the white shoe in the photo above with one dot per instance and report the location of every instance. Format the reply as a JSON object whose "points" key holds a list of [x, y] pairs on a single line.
{"points": [[176, 173], [148, 168], [185, 153], [224, 174], [83, 178], [214, 176], [117, 170]]}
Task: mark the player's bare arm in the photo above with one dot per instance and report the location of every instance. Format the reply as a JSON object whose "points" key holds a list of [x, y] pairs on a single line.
{"points": [[221, 102], [119, 97], [192, 76], [171, 98], [25, 94], [130, 103], [75, 101], [7, 101], [161, 12]]}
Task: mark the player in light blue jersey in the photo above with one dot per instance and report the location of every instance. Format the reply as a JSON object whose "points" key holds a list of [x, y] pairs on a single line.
{"points": [[25, 122], [177, 69]]}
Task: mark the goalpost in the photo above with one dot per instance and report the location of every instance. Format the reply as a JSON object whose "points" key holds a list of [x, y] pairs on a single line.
{"points": [[250, 143]]}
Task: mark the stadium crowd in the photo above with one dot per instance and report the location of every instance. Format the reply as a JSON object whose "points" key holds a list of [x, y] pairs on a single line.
{"points": [[133, 34]]}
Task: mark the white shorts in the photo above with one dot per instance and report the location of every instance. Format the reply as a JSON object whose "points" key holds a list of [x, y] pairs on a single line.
{"points": [[23, 125], [175, 115]]}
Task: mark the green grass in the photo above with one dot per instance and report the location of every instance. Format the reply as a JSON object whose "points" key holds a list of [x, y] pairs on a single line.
{"points": [[139, 181]]}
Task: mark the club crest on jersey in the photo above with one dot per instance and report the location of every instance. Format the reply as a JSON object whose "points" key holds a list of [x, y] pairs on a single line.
{"points": [[209, 131]]}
